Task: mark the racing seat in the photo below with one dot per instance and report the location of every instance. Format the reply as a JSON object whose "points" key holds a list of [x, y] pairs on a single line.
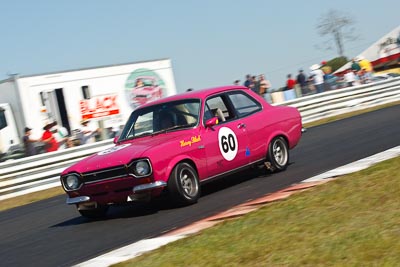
{"points": [[218, 113]]}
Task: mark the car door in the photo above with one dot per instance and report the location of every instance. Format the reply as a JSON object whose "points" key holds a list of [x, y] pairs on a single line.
{"points": [[226, 143], [249, 113]]}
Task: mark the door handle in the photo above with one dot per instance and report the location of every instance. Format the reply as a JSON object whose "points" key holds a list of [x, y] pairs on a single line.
{"points": [[241, 125]]}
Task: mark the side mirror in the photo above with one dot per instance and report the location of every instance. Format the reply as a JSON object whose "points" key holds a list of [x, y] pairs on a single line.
{"points": [[115, 141], [212, 122]]}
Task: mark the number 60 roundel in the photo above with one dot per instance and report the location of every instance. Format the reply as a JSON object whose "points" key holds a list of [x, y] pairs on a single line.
{"points": [[228, 144]]}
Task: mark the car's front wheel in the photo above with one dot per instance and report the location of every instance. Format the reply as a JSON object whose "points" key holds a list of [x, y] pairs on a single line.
{"points": [[278, 154], [183, 184], [94, 213]]}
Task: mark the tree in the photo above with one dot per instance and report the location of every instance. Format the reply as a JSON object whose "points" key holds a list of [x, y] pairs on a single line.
{"points": [[336, 25], [336, 63]]}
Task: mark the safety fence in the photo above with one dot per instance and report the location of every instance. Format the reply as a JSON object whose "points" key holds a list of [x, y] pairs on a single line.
{"points": [[26, 175], [330, 103], [42, 171]]}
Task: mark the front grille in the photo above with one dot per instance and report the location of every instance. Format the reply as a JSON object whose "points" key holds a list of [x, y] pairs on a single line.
{"points": [[107, 174]]}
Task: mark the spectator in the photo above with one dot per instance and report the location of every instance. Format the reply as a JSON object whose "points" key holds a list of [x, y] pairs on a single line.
{"points": [[29, 144], [317, 77], [362, 75], [366, 66], [88, 133], [350, 78], [236, 82], [112, 131], [61, 135], [264, 85], [49, 140], [355, 66], [69, 143], [290, 83], [248, 80], [302, 82], [254, 85], [330, 81]]}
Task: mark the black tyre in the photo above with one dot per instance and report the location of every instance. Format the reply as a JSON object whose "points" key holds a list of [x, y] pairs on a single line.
{"points": [[278, 154], [94, 213], [183, 184]]}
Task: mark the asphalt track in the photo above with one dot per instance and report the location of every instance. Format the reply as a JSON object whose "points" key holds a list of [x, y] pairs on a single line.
{"points": [[50, 233]]}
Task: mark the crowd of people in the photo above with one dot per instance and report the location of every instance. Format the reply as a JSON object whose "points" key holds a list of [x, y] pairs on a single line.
{"points": [[360, 72], [259, 85], [319, 79], [314, 83], [55, 137]]}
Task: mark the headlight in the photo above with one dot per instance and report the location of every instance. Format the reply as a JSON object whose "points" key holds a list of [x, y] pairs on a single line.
{"points": [[71, 182], [141, 168]]}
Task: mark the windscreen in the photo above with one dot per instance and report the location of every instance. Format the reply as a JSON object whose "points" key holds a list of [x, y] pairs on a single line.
{"points": [[153, 119]]}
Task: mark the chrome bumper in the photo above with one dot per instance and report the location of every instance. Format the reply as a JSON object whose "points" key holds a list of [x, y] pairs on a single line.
{"points": [[145, 187], [77, 200], [136, 189]]}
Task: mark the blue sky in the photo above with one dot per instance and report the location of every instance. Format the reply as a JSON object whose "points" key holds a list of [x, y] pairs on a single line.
{"points": [[210, 42]]}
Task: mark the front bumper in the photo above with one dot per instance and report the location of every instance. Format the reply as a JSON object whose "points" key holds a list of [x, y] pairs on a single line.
{"points": [[77, 200], [150, 186], [138, 192]]}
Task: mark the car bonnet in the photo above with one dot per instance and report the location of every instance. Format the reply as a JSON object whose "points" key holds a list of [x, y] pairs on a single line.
{"points": [[121, 154]]}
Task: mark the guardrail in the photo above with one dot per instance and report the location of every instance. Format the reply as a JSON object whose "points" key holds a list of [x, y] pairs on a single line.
{"points": [[317, 106], [42, 171]]}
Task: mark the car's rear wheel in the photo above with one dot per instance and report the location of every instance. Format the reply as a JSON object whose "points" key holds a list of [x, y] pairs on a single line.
{"points": [[278, 154], [183, 184], [94, 213]]}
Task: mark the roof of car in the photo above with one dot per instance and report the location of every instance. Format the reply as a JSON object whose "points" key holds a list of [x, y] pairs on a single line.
{"points": [[203, 93]]}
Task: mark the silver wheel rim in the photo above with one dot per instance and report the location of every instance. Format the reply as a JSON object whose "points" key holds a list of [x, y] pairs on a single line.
{"points": [[188, 183], [280, 152]]}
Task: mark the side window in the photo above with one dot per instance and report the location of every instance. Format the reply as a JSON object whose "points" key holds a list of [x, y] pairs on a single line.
{"points": [[187, 113], [215, 107], [244, 104]]}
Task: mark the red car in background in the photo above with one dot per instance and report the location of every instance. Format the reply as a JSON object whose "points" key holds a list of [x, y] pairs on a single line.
{"points": [[146, 89], [173, 145]]}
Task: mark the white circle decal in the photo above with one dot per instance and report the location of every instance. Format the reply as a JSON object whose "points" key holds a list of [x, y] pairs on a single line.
{"points": [[228, 144], [112, 149]]}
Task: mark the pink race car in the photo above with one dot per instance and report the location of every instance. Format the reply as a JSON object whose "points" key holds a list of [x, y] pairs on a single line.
{"points": [[174, 144]]}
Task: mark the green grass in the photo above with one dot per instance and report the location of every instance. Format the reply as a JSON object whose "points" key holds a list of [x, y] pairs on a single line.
{"points": [[29, 198], [351, 221]]}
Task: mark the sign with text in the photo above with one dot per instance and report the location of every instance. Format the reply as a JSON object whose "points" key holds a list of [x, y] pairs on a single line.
{"points": [[99, 107]]}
